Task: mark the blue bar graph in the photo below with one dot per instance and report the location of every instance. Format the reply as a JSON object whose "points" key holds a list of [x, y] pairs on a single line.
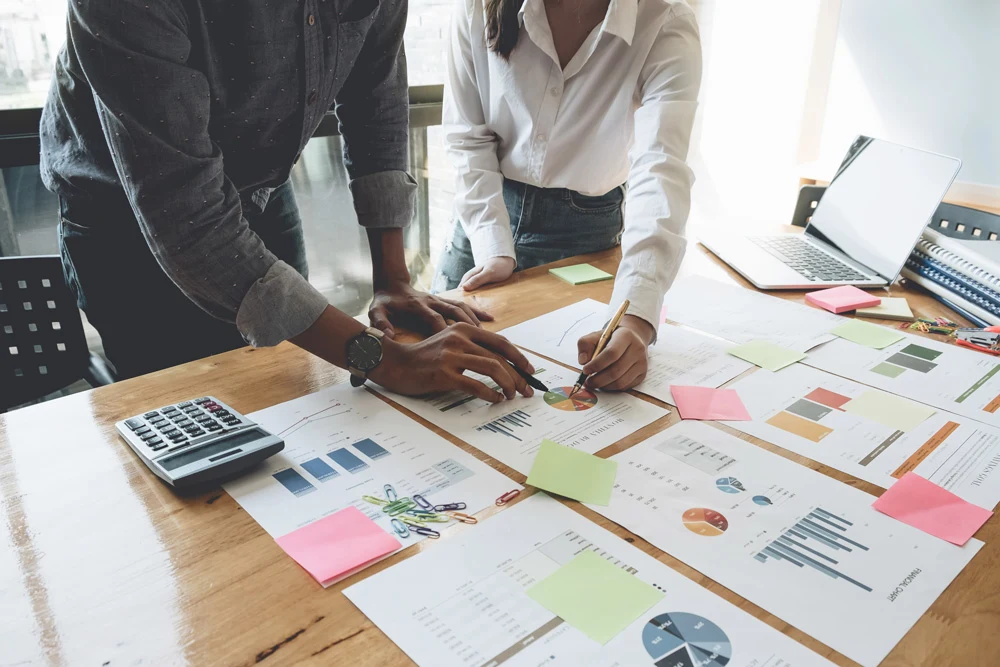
{"points": [[371, 449], [507, 424], [349, 461], [812, 542], [320, 469], [294, 482]]}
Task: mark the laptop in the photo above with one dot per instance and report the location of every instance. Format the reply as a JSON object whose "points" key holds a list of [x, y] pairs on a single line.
{"points": [[862, 230]]}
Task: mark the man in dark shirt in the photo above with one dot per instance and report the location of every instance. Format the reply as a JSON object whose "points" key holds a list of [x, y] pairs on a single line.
{"points": [[169, 135]]}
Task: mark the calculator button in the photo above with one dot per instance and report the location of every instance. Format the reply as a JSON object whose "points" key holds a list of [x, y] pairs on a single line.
{"points": [[183, 422], [205, 399], [150, 415], [142, 431], [213, 408], [201, 419], [213, 427], [148, 435], [167, 409], [133, 423], [154, 441], [184, 405], [170, 431], [159, 447]]}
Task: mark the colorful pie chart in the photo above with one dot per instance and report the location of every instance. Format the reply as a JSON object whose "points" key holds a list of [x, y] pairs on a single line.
{"points": [[560, 399], [705, 522]]}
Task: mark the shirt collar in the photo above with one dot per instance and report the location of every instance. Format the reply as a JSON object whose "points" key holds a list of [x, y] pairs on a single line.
{"points": [[619, 21]]}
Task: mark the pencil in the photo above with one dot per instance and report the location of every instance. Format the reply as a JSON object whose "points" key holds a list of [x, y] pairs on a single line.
{"points": [[602, 343]]}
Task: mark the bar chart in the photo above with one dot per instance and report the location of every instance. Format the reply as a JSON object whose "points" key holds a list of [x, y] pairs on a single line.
{"points": [[508, 424], [294, 482], [812, 542]]}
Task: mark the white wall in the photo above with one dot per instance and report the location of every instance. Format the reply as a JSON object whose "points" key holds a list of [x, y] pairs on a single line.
{"points": [[920, 72]]}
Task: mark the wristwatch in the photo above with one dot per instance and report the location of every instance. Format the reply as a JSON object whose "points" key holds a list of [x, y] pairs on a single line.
{"points": [[364, 354]]}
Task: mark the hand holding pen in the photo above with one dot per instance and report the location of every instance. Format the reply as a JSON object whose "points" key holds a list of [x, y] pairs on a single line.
{"points": [[602, 342]]}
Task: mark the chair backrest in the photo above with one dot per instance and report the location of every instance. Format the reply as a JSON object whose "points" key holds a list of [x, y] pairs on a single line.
{"points": [[42, 344], [952, 220]]}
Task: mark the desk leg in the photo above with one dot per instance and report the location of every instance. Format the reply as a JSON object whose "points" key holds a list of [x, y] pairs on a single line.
{"points": [[8, 237]]}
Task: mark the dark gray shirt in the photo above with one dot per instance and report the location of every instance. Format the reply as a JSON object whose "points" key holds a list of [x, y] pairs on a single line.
{"points": [[195, 109]]}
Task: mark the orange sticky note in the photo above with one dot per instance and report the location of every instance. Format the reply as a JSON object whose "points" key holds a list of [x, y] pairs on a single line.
{"points": [[925, 505], [338, 545], [708, 403], [842, 299]]}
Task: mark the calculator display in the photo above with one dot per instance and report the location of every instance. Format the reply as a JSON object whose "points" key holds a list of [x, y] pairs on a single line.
{"points": [[199, 453]]}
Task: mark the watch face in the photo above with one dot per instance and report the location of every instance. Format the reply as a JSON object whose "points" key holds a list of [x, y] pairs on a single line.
{"points": [[364, 352]]}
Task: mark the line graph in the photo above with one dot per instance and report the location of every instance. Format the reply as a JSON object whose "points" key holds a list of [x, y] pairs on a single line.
{"points": [[311, 418]]}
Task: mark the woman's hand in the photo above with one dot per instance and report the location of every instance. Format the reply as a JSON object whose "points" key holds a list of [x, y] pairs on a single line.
{"points": [[623, 362], [439, 363], [397, 303], [494, 270]]}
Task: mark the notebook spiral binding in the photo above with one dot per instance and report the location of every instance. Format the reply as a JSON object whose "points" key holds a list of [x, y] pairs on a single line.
{"points": [[961, 265]]}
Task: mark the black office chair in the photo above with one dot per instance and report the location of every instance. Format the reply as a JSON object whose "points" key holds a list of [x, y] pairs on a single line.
{"points": [[952, 220], [42, 344]]}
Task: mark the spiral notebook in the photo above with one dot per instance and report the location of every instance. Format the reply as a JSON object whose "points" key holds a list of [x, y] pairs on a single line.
{"points": [[959, 271]]}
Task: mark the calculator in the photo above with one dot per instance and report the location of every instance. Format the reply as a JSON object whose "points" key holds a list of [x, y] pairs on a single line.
{"points": [[197, 442]]}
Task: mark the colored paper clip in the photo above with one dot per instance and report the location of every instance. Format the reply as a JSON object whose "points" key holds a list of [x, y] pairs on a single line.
{"points": [[419, 513], [423, 502], [509, 496], [427, 532], [400, 528], [416, 522], [390, 493], [464, 518], [398, 507], [450, 506], [375, 501]]}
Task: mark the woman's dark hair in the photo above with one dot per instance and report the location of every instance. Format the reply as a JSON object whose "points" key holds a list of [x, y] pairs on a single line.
{"points": [[502, 26]]}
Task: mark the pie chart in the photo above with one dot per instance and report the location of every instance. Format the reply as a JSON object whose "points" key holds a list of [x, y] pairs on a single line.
{"points": [[705, 522], [679, 639], [729, 485], [762, 500], [559, 398]]}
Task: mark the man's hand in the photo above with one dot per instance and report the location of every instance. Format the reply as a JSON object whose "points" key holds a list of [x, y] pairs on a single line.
{"points": [[439, 363], [495, 270], [397, 302], [623, 363]]}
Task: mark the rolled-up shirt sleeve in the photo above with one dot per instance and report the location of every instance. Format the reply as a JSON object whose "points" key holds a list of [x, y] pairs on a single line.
{"points": [[472, 146], [373, 112], [154, 108], [659, 180]]}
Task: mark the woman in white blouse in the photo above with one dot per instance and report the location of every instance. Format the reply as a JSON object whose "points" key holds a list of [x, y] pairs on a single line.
{"points": [[568, 122]]}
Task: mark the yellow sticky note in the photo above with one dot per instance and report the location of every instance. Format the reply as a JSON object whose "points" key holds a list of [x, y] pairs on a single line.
{"points": [[891, 308], [595, 596], [580, 274], [889, 410], [573, 474], [867, 334], [766, 355]]}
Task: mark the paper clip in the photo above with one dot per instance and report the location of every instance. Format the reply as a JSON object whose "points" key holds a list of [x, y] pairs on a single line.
{"points": [[400, 528], [423, 502], [390, 492], [507, 497], [409, 520], [375, 501], [398, 507], [450, 506], [464, 518], [427, 532], [419, 513]]}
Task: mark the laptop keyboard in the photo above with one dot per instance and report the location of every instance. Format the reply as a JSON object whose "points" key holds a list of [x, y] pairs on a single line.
{"points": [[809, 261]]}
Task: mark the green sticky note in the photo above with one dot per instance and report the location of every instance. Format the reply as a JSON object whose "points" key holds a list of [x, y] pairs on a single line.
{"points": [[595, 596], [581, 274], [889, 410], [868, 334], [766, 355], [891, 308], [573, 474]]}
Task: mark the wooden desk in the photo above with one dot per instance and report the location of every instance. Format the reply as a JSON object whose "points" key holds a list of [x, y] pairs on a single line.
{"points": [[101, 564]]}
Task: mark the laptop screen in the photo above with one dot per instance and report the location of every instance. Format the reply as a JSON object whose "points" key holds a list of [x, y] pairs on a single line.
{"points": [[880, 201]]}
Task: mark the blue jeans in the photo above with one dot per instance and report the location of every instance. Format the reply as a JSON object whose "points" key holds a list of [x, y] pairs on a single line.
{"points": [[146, 323], [548, 224]]}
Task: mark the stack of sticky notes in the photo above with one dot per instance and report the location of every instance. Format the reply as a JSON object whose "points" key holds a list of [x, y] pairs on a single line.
{"points": [[580, 274], [891, 308], [842, 299], [337, 546], [573, 474]]}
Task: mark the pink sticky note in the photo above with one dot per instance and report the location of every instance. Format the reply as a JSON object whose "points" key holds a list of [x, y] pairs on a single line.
{"points": [[925, 505], [707, 403], [842, 299], [338, 545]]}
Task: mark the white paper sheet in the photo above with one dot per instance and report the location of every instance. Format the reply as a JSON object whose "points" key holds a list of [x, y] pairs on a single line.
{"points": [[954, 452], [463, 603], [941, 375], [342, 443], [680, 356], [801, 545], [742, 315], [511, 431]]}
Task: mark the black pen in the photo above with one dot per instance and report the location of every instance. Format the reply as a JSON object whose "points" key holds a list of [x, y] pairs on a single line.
{"points": [[529, 378]]}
